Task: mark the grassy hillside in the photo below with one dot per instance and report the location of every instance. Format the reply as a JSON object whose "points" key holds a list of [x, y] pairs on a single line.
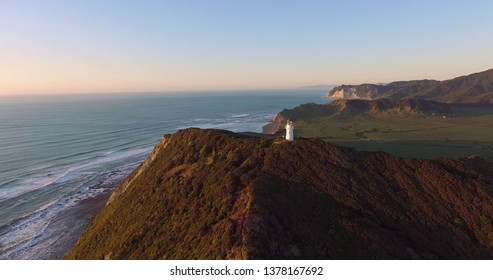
{"points": [[208, 194], [474, 88], [409, 128]]}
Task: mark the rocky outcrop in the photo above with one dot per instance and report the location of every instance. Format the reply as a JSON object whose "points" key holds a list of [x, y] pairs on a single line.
{"points": [[372, 91], [365, 91]]}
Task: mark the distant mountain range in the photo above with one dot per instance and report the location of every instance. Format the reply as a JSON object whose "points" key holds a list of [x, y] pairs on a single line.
{"points": [[474, 88], [210, 194]]}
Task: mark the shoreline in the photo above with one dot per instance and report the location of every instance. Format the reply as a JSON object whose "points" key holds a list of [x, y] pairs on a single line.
{"points": [[51, 231], [78, 218], [271, 128], [65, 228], [75, 221]]}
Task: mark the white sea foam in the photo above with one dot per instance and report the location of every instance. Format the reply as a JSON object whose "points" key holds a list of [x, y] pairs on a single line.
{"points": [[114, 156], [233, 122], [239, 115], [67, 174], [26, 236], [23, 237], [32, 184]]}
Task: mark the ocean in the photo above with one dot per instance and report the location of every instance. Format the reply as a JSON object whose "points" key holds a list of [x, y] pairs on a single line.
{"points": [[58, 152]]}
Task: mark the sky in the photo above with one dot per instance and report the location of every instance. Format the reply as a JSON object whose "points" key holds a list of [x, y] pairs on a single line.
{"points": [[87, 46]]}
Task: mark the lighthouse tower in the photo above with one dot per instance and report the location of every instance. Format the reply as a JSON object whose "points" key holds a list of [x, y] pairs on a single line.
{"points": [[289, 131]]}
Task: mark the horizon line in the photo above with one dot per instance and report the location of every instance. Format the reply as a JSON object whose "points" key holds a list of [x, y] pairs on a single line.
{"points": [[161, 91]]}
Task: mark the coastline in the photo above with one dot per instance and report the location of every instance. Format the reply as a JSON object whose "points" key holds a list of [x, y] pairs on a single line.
{"points": [[71, 224], [64, 229], [80, 217], [271, 128], [75, 221], [51, 231]]}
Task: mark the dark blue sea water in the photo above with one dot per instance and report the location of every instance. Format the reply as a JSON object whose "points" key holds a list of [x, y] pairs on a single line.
{"points": [[58, 151]]}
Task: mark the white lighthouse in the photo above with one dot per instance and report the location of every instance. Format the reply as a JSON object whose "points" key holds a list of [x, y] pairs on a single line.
{"points": [[289, 131]]}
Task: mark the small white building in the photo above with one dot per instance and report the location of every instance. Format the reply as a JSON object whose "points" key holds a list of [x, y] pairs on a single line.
{"points": [[289, 131]]}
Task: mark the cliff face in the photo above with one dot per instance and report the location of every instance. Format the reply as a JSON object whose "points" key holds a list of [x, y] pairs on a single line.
{"points": [[211, 194], [365, 91], [474, 88], [371, 91], [141, 168]]}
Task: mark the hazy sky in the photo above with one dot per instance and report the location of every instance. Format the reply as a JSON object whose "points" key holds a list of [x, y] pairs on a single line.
{"points": [[49, 46]]}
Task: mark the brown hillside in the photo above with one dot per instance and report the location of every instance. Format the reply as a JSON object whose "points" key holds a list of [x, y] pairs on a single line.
{"points": [[417, 106], [383, 107], [473, 88], [211, 194]]}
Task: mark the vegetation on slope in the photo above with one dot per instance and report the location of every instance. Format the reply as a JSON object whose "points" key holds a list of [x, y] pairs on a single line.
{"points": [[384, 108], [181, 205], [211, 194]]}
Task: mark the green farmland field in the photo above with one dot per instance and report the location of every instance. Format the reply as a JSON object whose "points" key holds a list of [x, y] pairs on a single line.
{"points": [[420, 137]]}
